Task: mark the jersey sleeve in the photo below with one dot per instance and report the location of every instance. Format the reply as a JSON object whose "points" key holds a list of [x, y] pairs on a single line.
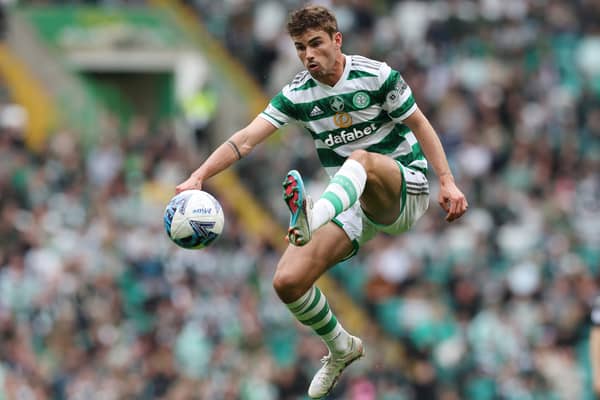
{"points": [[279, 111], [595, 312], [399, 101]]}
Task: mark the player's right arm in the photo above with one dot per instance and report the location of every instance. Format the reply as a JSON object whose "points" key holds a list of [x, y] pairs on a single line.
{"points": [[237, 146]]}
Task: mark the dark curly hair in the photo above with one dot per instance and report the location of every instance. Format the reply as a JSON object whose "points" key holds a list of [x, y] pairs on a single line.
{"points": [[311, 17]]}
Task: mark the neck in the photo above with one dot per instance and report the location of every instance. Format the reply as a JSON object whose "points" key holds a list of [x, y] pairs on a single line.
{"points": [[338, 70]]}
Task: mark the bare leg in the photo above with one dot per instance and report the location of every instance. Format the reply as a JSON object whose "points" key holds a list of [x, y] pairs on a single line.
{"points": [[373, 179], [294, 280], [381, 197], [300, 267]]}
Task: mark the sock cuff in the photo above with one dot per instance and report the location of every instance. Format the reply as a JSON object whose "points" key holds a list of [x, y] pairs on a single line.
{"points": [[356, 169], [302, 300]]}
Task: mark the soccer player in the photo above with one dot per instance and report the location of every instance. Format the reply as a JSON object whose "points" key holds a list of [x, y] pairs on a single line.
{"points": [[595, 346], [368, 133]]}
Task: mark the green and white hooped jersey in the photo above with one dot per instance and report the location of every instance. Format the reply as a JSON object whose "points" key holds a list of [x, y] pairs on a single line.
{"points": [[364, 110]]}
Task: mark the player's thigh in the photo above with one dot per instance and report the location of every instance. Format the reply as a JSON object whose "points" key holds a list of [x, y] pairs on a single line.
{"points": [[300, 267], [383, 190]]}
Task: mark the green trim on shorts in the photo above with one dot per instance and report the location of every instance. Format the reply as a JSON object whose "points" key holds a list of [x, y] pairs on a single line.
{"points": [[402, 195], [403, 189], [355, 245]]}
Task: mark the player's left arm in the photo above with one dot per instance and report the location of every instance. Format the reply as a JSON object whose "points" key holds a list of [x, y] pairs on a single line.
{"points": [[595, 357], [450, 198], [595, 345]]}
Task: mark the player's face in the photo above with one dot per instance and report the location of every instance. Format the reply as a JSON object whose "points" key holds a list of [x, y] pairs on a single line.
{"points": [[320, 54]]}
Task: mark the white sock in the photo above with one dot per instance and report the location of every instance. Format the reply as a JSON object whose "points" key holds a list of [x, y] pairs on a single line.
{"points": [[344, 189]]}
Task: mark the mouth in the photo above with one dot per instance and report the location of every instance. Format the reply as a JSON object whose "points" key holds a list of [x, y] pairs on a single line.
{"points": [[312, 66]]}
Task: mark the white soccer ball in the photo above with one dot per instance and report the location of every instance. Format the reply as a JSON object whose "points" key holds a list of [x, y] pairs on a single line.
{"points": [[193, 219]]}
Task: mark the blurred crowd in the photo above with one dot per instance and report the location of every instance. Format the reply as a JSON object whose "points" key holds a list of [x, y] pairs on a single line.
{"points": [[95, 302]]}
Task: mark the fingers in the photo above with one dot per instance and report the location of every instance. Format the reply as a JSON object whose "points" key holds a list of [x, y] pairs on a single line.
{"points": [[188, 185], [453, 201], [456, 208], [453, 209], [450, 216], [444, 203], [182, 187]]}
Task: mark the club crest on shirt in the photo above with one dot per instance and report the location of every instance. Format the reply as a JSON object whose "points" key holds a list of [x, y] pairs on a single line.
{"points": [[361, 100]]}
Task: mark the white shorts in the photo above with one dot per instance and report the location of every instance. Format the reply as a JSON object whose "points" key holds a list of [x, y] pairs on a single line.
{"points": [[414, 201]]}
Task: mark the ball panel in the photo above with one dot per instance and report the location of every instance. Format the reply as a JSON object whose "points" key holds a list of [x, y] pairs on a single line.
{"points": [[168, 218], [190, 242], [180, 226]]}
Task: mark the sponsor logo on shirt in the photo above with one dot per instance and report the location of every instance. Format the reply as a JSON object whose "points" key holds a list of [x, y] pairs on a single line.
{"points": [[401, 86], [342, 120], [393, 96], [349, 136], [316, 111]]}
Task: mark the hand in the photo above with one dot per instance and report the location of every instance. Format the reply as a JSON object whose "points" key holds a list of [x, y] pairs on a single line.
{"points": [[452, 200], [191, 183], [597, 386]]}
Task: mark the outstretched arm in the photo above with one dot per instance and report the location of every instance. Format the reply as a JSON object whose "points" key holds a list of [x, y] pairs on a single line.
{"points": [[595, 346], [595, 357], [237, 146], [451, 199]]}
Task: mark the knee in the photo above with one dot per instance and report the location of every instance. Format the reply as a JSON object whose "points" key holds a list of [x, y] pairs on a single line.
{"points": [[284, 282], [287, 285], [359, 155], [363, 157]]}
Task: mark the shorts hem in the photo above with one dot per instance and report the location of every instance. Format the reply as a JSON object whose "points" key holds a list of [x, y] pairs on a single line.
{"points": [[355, 244]]}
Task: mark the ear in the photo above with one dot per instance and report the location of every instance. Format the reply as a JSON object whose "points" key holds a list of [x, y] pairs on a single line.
{"points": [[337, 38]]}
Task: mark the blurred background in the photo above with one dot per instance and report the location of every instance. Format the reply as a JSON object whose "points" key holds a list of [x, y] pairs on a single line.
{"points": [[106, 105]]}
